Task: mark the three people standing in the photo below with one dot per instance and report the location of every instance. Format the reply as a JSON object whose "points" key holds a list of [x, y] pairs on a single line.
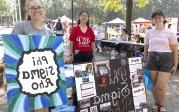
{"points": [[160, 51]]}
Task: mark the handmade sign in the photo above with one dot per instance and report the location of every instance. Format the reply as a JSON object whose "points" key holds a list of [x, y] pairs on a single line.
{"points": [[113, 87], [85, 83], [35, 72], [116, 88], [137, 82]]}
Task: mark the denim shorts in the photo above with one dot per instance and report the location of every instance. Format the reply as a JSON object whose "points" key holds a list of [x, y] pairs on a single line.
{"points": [[160, 61]]}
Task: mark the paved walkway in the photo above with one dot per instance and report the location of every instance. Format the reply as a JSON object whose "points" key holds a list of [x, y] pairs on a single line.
{"points": [[172, 99]]}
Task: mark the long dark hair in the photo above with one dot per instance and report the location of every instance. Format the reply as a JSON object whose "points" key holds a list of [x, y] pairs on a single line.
{"points": [[125, 31], [28, 18], [88, 17]]}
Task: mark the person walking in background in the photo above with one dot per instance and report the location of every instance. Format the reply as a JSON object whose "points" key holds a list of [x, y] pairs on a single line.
{"points": [[50, 24], [34, 25], [160, 57], [59, 28], [82, 40]]}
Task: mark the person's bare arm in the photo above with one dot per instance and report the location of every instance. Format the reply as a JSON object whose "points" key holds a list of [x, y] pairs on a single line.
{"points": [[71, 50], [174, 48], [146, 47], [93, 50]]}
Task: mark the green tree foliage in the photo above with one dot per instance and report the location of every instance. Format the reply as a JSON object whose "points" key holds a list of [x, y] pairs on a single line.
{"points": [[116, 5], [113, 5], [4, 8], [57, 8], [169, 7], [105, 10], [141, 3]]}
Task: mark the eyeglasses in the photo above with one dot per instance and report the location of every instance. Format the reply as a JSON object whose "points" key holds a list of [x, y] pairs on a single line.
{"points": [[38, 8]]}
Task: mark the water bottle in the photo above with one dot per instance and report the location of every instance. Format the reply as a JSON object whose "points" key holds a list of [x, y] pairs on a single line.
{"points": [[113, 54]]}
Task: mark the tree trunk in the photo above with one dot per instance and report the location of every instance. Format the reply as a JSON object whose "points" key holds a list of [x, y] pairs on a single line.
{"points": [[23, 9], [129, 6]]}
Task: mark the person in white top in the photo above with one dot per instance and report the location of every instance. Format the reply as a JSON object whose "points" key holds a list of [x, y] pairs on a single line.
{"points": [[124, 36], [160, 57]]}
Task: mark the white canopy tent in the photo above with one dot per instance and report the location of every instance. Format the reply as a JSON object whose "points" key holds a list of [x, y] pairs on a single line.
{"points": [[65, 19], [141, 20], [115, 21]]}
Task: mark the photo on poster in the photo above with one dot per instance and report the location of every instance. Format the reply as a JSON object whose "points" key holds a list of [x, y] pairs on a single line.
{"points": [[85, 83], [68, 70], [134, 77], [102, 72], [84, 110], [105, 107], [85, 103], [93, 109]]}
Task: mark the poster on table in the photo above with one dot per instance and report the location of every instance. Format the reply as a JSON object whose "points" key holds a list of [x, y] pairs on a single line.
{"points": [[113, 88], [69, 76], [85, 83], [137, 82], [68, 70], [70, 80], [34, 70]]}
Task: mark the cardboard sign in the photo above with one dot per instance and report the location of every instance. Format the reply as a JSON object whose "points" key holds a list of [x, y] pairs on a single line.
{"points": [[85, 83], [34, 71], [137, 82]]}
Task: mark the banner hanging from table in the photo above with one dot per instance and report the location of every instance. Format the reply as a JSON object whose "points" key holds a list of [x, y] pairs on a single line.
{"points": [[34, 70]]}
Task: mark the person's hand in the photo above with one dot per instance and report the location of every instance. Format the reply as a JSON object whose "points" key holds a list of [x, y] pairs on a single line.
{"points": [[67, 59], [71, 58], [2, 67], [173, 71]]}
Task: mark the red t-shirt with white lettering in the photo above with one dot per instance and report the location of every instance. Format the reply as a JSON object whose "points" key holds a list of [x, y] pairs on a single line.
{"points": [[82, 41]]}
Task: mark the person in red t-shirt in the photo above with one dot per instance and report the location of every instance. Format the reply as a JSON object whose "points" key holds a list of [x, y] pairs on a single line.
{"points": [[82, 40]]}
